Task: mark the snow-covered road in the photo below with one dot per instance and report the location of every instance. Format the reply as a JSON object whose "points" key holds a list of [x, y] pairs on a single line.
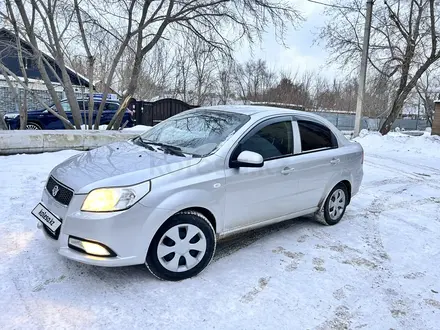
{"points": [[377, 269]]}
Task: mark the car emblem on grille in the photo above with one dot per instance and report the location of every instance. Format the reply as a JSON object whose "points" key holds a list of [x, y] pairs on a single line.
{"points": [[55, 190]]}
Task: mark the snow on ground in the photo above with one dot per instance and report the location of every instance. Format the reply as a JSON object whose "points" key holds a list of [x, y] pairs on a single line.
{"points": [[377, 269]]}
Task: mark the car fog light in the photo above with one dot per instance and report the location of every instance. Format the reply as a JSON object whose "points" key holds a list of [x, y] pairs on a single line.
{"points": [[91, 248]]}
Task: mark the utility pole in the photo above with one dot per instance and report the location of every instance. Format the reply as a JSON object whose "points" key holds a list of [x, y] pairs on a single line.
{"points": [[363, 71]]}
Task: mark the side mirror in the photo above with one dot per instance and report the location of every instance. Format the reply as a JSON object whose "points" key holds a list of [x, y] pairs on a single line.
{"points": [[248, 159]]}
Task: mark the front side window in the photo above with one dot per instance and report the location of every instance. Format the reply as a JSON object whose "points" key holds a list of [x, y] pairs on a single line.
{"points": [[197, 132], [315, 136], [271, 141]]}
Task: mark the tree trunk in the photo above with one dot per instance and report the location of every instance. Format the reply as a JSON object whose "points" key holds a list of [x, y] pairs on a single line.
{"points": [[40, 65], [90, 61], [2, 122], [117, 118], [108, 82], [23, 109], [115, 123], [402, 93], [395, 111]]}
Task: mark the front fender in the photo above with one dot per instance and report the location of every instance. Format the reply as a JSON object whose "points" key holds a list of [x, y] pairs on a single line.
{"points": [[191, 198]]}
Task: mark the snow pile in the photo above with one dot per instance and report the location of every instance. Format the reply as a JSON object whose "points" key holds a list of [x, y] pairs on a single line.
{"points": [[134, 129], [138, 128], [101, 127], [400, 143]]}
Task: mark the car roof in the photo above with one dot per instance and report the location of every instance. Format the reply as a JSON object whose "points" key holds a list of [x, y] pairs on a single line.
{"points": [[252, 109], [263, 111], [258, 112]]}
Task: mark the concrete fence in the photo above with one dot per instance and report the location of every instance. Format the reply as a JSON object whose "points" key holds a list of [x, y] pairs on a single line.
{"points": [[15, 142]]}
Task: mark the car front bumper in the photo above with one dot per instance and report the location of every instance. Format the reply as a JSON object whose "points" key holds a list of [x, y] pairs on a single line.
{"points": [[127, 233]]}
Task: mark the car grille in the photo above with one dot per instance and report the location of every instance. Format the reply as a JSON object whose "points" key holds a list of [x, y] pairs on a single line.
{"points": [[63, 194]]}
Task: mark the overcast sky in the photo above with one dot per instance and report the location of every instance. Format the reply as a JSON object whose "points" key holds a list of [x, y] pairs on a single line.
{"points": [[301, 52]]}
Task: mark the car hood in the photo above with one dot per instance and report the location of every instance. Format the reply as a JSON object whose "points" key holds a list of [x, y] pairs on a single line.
{"points": [[13, 115], [117, 164]]}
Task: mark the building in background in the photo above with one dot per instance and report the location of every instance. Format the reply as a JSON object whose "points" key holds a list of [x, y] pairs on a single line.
{"points": [[9, 57]]}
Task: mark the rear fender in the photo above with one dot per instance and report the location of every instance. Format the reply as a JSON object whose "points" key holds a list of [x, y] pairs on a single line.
{"points": [[344, 175]]}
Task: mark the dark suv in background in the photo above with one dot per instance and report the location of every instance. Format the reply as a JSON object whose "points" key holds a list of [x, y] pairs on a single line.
{"points": [[43, 119]]}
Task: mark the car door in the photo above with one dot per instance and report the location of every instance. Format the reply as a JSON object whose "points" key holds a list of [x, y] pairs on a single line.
{"points": [[255, 195], [316, 162], [110, 110]]}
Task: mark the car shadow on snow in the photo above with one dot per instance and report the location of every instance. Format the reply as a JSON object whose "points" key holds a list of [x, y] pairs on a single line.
{"points": [[225, 247]]}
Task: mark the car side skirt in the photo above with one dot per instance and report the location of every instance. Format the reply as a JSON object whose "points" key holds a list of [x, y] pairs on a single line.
{"points": [[266, 223]]}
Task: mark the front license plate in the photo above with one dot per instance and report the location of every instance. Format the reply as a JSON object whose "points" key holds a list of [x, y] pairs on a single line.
{"points": [[46, 217]]}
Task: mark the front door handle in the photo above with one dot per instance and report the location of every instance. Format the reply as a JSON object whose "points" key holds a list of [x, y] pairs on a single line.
{"points": [[335, 161], [287, 170]]}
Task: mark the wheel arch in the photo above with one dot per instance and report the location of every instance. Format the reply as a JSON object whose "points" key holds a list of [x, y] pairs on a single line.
{"points": [[205, 212], [36, 122], [329, 188], [152, 229]]}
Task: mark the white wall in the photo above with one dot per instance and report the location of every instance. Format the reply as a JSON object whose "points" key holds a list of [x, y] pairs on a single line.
{"points": [[14, 142]]}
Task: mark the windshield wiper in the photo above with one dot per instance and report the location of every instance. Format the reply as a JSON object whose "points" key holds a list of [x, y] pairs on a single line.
{"points": [[144, 143], [173, 150]]}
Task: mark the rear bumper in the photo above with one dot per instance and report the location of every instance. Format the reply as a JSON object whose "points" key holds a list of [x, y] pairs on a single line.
{"points": [[357, 181]]}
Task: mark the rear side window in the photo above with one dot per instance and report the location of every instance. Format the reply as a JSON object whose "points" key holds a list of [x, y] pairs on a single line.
{"points": [[271, 141], [315, 136]]}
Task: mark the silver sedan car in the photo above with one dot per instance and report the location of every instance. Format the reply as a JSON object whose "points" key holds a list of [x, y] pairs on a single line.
{"points": [[166, 197]]}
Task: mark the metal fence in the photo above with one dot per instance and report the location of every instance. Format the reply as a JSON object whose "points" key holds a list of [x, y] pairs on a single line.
{"points": [[345, 122], [151, 113]]}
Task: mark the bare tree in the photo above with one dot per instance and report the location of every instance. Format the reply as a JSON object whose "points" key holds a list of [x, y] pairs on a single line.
{"points": [[206, 19], [403, 42], [225, 78], [428, 91], [23, 103], [28, 29]]}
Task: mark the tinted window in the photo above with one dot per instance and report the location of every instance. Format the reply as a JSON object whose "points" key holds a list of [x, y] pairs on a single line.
{"points": [[315, 136], [272, 141]]}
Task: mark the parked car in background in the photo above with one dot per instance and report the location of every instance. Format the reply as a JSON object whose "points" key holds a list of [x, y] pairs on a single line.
{"points": [[43, 119], [165, 197]]}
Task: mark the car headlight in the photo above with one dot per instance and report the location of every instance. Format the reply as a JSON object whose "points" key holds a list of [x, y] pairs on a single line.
{"points": [[114, 199]]}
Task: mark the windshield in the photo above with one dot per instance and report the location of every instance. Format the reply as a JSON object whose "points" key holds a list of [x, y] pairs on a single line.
{"points": [[196, 132]]}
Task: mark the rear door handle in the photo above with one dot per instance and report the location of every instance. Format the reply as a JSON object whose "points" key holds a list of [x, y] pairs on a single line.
{"points": [[287, 170], [335, 161]]}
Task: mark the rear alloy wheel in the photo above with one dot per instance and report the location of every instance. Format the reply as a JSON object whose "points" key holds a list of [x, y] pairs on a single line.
{"points": [[33, 126], [335, 205], [182, 247]]}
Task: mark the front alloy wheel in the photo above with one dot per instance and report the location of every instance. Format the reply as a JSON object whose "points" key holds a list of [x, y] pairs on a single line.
{"points": [[182, 247], [33, 126]]}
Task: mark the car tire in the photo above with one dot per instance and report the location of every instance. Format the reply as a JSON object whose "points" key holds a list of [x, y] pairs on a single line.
{"points": [[33, 126], [334, 206], [175, 256]]}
